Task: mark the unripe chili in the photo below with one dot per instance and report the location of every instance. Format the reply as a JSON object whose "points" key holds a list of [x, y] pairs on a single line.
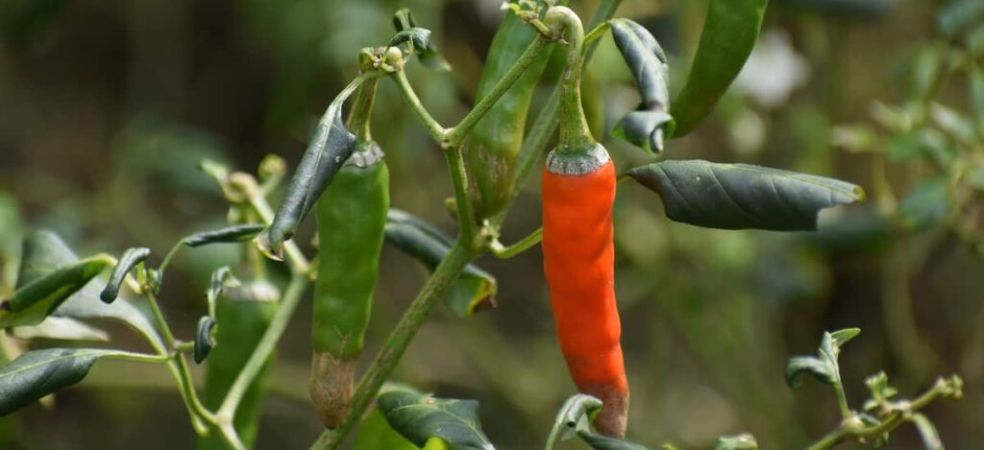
{"points": [[578, 249], [351, 221], [730, 31], [493, 144]]}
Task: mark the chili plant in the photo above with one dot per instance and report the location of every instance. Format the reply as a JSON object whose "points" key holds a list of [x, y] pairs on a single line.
{"points": [[342, 177]]}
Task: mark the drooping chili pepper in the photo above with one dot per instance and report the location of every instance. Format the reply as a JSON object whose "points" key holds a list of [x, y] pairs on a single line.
{"points": [[493, 144], [351, 221], [578, 248], [243, 314], [731, 28]]}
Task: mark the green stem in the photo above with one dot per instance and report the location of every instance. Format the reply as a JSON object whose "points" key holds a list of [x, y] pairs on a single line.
{"points": [[504, 252], [573, 126], [459, 180], [138, 357], [429, 296], [267, 344], [435, 129], [360, 115], [457, 135]]}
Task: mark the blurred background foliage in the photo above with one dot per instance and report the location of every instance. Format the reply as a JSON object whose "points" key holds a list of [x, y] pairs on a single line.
{"points": [[107, 107]]}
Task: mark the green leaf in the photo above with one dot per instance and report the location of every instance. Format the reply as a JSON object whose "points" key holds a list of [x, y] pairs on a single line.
{"points": [[62, 328], [376, 434], [329, 148], [957, 16], [232, 234], [927, 206], [739, 442], [927, 431], [474, 290], [35, 300], [421, 417], [841, 337], [808, 365], [37, 373], [44, 251], [574, 416], [131, 257], [651, 123], [203, 338], [602, 442], [741, 196]]}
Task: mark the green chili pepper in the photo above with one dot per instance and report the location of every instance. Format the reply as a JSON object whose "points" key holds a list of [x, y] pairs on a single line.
{"points": [[242, 314], [351, 217], [730, 31], [493, 144]]}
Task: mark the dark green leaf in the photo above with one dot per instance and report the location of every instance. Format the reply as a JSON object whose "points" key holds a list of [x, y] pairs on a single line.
{"points": [[651, 122], [376, 434], [419, 41], [740, 442], [203, 338], [38, 373], [602, 442], [34, 301], [959, 15], [44, 251], [220, 277], [131, 257], [420, 417], [330, 147], [927, 206], [808, 365], [474, 290], [235, 233], [741, 196]]}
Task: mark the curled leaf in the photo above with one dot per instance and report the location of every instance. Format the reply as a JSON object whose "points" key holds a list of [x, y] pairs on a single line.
{"points": [[328, 150], [808, 365], [203, 338], [474, 290], [419, 41], [419, 418], [235, 233], [651, 123], [741, 196], [131, 257]]}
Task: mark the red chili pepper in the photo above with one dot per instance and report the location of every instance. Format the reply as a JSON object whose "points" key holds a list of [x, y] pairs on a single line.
{"points": [[579, 251]]}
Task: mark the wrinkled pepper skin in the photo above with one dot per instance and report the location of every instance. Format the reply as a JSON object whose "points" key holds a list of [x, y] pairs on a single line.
{"points": [[242, 321], [351, 223], [579, 264], [730, 31], [493, 144]]}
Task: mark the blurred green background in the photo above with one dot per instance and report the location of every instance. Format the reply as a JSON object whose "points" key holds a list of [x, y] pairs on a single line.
{"points": [[106, 107]]}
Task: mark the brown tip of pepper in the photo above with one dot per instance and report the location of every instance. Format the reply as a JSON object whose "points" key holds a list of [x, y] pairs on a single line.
{"points": [[331, 387], [613, 418]]}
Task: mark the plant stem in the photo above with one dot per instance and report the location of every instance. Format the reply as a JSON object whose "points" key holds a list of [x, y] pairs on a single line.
{"points": [[459, 180], [504, 252], [435, 129], [573, 126], [456, 135], [264, 348], [428, 297], [359, 116]]}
